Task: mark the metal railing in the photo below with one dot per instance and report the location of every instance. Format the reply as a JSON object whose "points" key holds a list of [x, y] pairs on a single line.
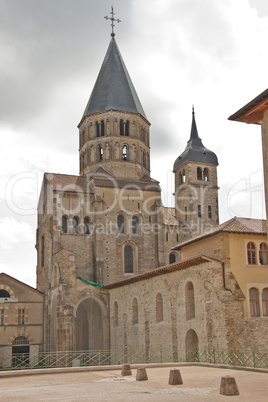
{"points": [[118, 357]]}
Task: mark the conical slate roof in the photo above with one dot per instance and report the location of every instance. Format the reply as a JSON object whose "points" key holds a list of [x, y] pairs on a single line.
{"points": [[195, 150], [113, 89]]}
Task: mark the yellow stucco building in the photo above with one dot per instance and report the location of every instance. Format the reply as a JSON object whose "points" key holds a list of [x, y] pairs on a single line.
{"points": [[241, 246]]}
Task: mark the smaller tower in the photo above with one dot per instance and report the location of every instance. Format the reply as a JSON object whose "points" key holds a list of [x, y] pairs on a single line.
{"points": [[196, 187]]}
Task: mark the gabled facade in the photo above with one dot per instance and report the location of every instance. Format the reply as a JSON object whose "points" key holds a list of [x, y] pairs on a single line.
{"points": [[21, 321]]}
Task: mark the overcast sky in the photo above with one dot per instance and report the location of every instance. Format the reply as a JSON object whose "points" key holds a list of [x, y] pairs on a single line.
{"points": [[210, 53]]}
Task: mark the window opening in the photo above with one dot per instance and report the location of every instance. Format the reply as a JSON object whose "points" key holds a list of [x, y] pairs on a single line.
{"points": [[120, 224], [251, 253], [135, 225], [254, 302], [185, 213], [206, 175], [172, 258], [199, 173], [100, 153], [263, 253], [102, 128], [127, 128], [209, 212], [86, 226], [199, 214], [121, 127], [265, 302], [75, 224], [97, 129], [4, 293], [124, 153], [21, 316], [128, 251], [64, 224]]}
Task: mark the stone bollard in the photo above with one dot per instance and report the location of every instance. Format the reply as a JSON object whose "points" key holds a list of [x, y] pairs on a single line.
{"points": [[228, 386], [175, 377], [141, 374], [126, 369]]}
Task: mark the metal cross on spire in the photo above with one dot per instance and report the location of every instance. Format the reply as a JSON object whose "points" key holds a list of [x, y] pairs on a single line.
{"points": [[113, 20]]}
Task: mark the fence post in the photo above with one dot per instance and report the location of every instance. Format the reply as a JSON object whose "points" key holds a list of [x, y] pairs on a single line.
{"points": [[214, 356], [99, 358], [161, 356], [254, 359]]}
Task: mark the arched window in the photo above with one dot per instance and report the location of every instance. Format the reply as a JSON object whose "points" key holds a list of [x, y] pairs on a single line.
{"points": [[75, 224], [263, 253], [100, 153], [128, 254], [127, 128], [159, 307], [199, 173], [189, 301], [121, 127], [102, 128], [124, 153], [86, 226], [135, 225], [265, 302], [20, 340], [254, 302], [120, 224], [115, 314], [183, 177], [206, 174], [144, 158], [4, 293], [167, 236], [172, 258], [97, 129], [251, 251], [64, 224], [199, 211], [135, 312]]}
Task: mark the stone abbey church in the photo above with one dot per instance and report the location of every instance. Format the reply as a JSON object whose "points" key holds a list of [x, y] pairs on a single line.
{"points": [[111, 260]]}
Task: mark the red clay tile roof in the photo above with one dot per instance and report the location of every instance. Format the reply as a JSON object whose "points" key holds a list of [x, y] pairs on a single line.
{"points": [[234, 225], [177, 266]]}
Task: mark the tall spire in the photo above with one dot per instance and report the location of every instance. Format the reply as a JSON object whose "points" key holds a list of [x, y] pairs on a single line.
{"points": [[113, 20], [113, 89], [195, 150]]}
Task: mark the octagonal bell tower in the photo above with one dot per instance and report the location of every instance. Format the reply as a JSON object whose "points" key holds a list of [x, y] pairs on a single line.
{"points": [[196, 187], [114, 130]]}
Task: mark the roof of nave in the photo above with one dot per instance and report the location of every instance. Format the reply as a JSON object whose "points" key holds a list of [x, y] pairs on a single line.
{"points": [[195, 150], [234, 225], [176, 266], [102, 178], [65, 182], [113, 89]]}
